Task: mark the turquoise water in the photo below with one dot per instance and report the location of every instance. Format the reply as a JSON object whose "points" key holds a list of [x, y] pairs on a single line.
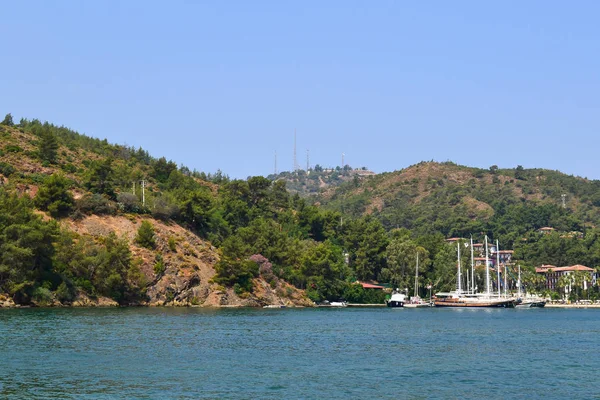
{"points": [[142, 353]]}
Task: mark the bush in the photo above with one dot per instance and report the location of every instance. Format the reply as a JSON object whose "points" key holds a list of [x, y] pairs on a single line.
{"points": [[145, 235], [96, 204], [172, 244], [6, 169], [12, 148], [65, 293], [42, 296], [159, 266], [69, 168], [129, 203], [54, 196]]}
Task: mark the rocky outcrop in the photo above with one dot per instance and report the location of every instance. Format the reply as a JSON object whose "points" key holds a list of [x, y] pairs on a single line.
{"points": [[84, 301], [188, 268]]}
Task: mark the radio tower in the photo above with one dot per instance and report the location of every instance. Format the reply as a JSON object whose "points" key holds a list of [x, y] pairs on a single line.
{"points": [[275, 162], [295, 161], [307, 160], [343, 160]]}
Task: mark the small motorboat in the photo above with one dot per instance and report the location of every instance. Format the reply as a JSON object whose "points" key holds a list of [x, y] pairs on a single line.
{"points": [[397, 299]]}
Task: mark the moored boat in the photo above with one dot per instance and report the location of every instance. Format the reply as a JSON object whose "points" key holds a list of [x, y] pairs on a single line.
{"points": [[460, 298], [397, 299], [530, 304], [453, 299]]}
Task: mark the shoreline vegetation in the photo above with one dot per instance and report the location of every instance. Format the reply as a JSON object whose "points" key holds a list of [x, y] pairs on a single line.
{"points": [[87, 223]]}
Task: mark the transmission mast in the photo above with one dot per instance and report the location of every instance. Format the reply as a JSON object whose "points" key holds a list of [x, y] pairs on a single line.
{"points": [[295, 160], [307, 160]]}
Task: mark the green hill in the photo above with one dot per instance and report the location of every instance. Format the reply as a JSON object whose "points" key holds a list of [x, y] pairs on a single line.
{"points": [[83, 222], [456, 200]]}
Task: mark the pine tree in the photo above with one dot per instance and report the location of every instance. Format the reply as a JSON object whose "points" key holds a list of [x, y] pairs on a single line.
{"points": [[145, 235], [8, 120], [48, 146]]}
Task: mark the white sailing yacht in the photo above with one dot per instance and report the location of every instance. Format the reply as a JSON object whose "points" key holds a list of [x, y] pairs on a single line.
{"points": [[460, 298], [415, 300]]}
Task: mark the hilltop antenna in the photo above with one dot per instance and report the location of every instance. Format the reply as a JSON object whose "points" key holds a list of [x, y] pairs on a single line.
{"points": [[295, 161], [564, 202], [307, 160], [275, 170], [343, 160]]}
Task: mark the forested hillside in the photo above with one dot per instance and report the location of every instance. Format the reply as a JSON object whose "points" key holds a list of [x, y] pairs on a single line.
{"points": [[82, 219]]}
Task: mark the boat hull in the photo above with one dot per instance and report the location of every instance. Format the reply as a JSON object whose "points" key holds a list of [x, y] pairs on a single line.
{"points": [[478, 304], [534, 304], [395, 303]]}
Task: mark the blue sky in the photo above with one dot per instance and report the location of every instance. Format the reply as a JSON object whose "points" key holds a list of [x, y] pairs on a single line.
{"points": [[223, 84]]}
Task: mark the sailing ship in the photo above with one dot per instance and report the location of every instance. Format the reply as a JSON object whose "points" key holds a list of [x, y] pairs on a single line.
{"points": [[416, 301], [469, 298]]}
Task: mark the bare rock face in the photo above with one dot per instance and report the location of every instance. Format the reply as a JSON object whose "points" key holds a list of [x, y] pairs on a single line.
{"points": [[84, 301], [188, 268], [6, 302]]}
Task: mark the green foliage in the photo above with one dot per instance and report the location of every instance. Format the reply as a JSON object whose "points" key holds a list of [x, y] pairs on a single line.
{"points": [[99, 178], [48, 146], [236, 272], [145, 235], [42, 296], [159, 265], [96, 204], [54, 196], [355, 293], [26, 248], [8, 120], [13, 148], [6, 169], [172, 243], [66, 292]]}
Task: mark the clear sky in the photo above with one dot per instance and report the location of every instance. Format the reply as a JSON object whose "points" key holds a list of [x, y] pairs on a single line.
{"points": [[223, 84]]}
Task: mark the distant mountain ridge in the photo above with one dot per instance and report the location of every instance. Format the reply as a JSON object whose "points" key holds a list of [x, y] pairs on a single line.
{"points": [[458, 200]]}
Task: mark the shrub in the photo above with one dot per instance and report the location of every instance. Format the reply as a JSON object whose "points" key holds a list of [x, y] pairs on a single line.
{"points": [[12, 148], [6, 169], [172, 244], [129, 203], [159, 266], [54, 196], [96, 204], [42, 296], [65, 293], [145, 235]]}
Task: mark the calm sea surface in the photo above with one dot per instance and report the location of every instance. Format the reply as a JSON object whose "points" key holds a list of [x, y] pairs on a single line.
{"points": [[143, 353]]}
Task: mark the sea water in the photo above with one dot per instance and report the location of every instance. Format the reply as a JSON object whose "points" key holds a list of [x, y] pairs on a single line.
{"points": [[350, 353]]}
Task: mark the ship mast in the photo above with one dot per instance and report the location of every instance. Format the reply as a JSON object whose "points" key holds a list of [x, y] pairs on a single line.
{"points": [[519, 282], [417, 277], [498, 265], [505, 279], [459, 283], [487, 269], [472, 268]]}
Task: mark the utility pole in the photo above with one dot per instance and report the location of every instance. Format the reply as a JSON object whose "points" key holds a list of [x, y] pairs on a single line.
{"points": [[144, 193]]}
